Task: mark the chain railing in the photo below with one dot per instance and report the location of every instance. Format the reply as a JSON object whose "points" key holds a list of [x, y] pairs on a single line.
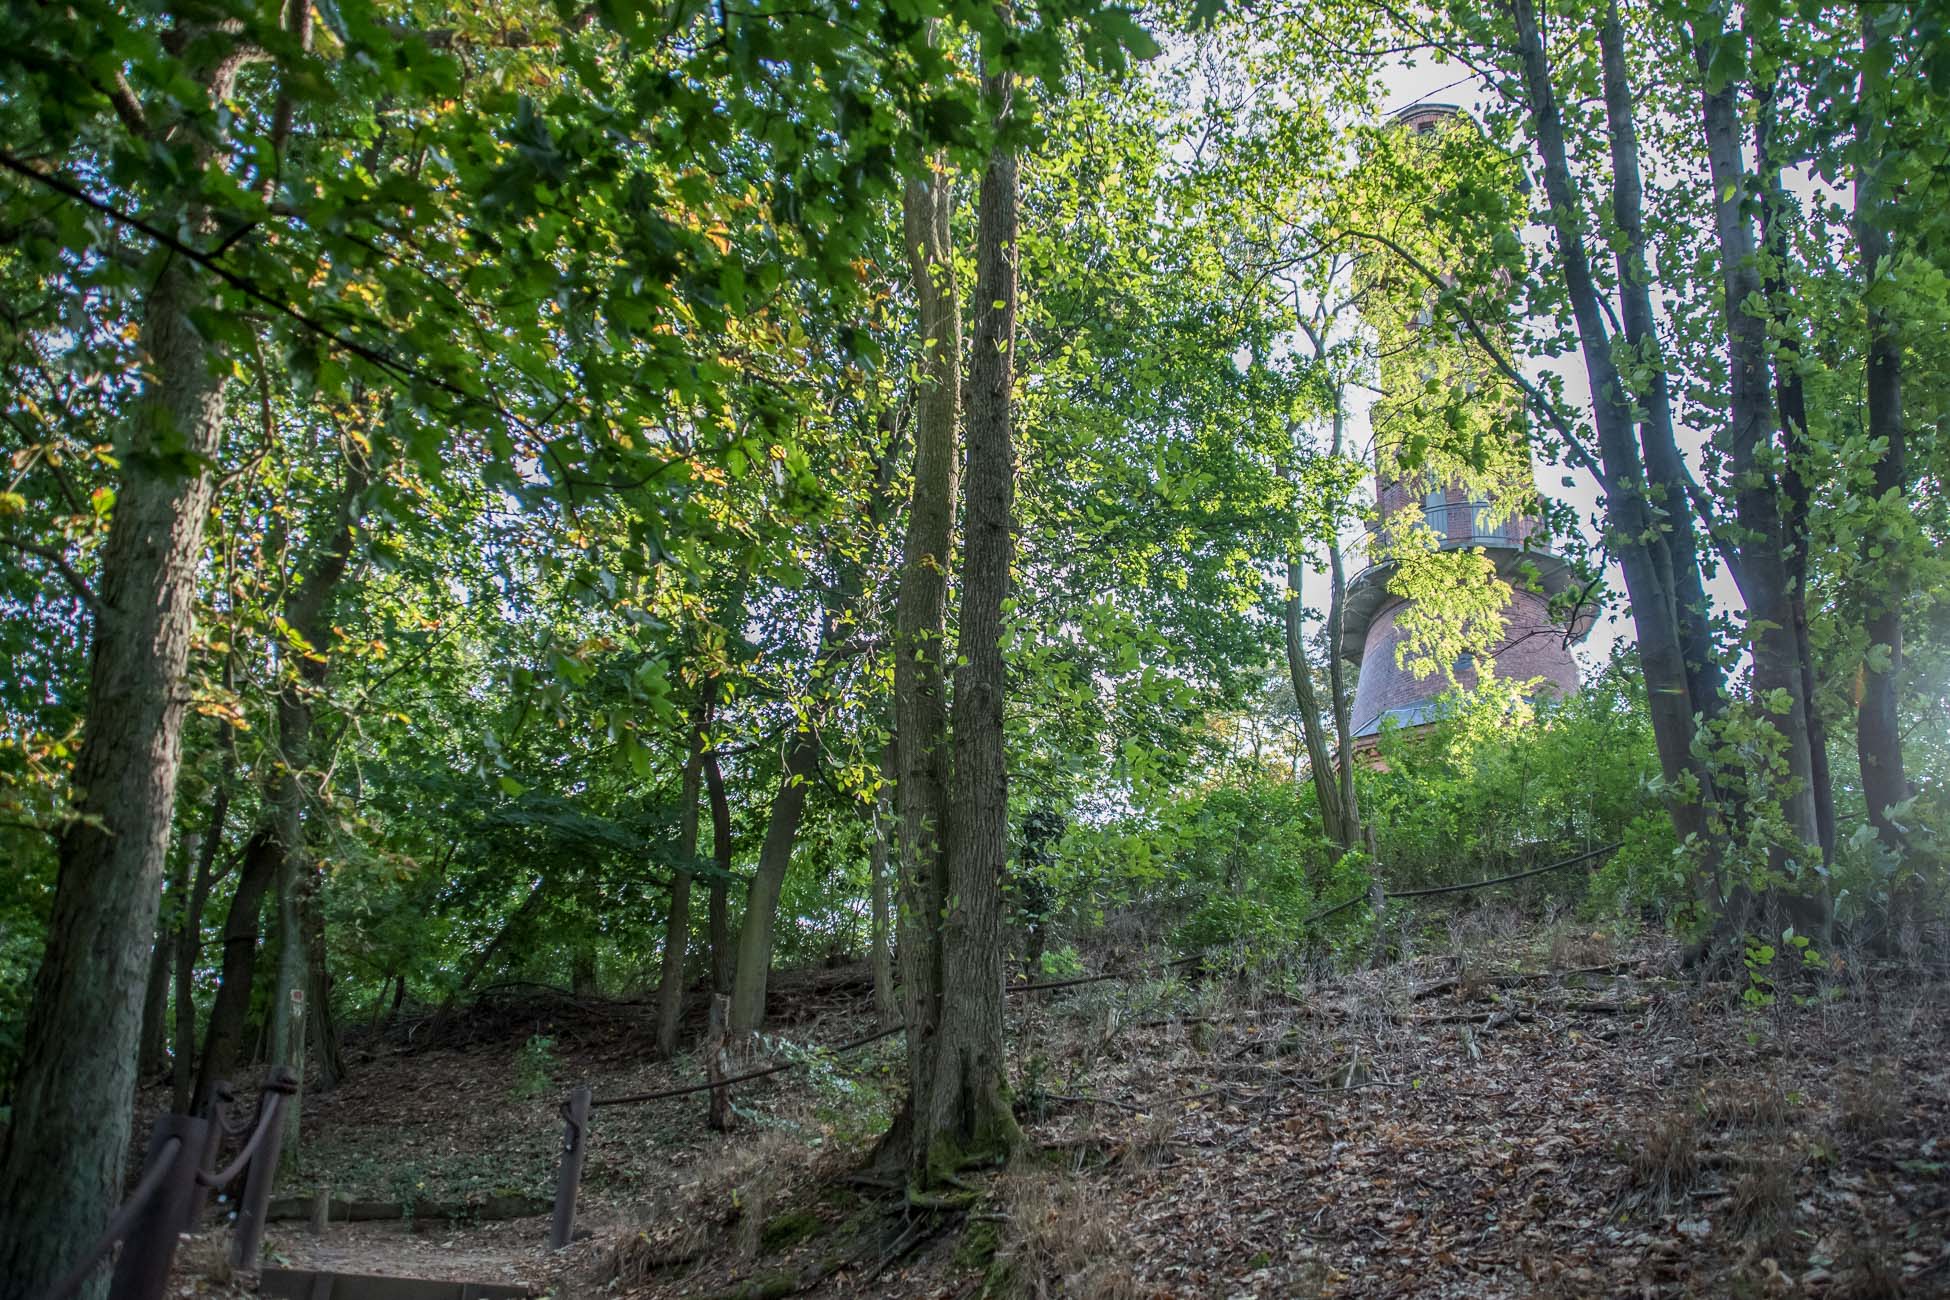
{"points": [[169, 1198]]}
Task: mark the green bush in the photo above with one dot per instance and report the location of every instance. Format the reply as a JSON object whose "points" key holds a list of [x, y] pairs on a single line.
{"points": [[534, 1068]]}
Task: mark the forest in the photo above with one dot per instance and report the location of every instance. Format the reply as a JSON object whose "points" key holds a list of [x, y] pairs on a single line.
{"points": [[1049, 647]]}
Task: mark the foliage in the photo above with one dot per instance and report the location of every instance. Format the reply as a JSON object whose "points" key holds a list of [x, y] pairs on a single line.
{"points": [[534, 1068]]}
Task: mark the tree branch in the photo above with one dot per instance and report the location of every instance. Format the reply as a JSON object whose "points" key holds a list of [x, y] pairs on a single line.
{"points": [[1536, 396], [60, 564]]}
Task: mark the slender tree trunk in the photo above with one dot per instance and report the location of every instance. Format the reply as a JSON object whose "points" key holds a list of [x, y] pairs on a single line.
{"points": [[307, 614], [885, 1003], [724, 960], [1762, 572], [968, 1113], [1337, 684], [1630, 527], [921, 624], [155, 1006], [223, 1038], [1791, 402], [1326, 776], [61, 1174], [513, 926], [1665, 469], [1878, 725], [768, 880], [802, 763], [189, 939], [583, 981], [327, 1048], [677, 927]]}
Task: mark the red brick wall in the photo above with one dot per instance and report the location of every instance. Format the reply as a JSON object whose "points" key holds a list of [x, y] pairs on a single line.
{"points": [[1532, 647]]}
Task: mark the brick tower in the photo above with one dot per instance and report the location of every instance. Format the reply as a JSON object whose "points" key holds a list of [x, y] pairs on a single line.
{"points": [[1535, 648]]}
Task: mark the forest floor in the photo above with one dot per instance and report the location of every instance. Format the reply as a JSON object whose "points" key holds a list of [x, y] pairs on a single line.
{"points": [[1531, 1112]]}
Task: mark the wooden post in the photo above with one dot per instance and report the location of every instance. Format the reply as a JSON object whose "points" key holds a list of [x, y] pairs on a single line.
{"points": [[321, 1209], [142, 1269], [206, 1159], [575, 1143], [717, 1064], [1378, 905], [263, 1173]]}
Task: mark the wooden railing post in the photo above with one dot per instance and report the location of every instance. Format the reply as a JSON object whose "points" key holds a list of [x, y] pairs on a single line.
{"points": [[142, 1269], [575, 1142], [263, 1173]]}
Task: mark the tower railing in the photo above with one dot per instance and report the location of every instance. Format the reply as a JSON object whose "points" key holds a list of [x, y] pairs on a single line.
{"points": [[1458, 525]]}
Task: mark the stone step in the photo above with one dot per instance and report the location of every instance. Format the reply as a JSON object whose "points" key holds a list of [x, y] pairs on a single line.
{"points": [[314, 1284]]}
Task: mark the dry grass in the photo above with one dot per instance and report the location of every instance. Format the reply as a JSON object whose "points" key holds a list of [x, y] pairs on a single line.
{"points": [[1663, 1162], [1868, 1272], [1574, 946], [207, 1258], [1056, 1241], [1867, 1109], [1761, 1105], [727, 1197], [1761, 1201]]}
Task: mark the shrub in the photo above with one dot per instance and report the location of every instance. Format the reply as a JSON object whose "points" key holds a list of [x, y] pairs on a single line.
{"points": [[534, 1068]]}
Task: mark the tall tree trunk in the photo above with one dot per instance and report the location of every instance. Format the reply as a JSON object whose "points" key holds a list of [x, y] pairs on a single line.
{"points": [[802, 757], [189, 939], [1337, 684], [1325, 773], [327, 1049], [155, 1006], [61, 1173], [1878, 729], [1762, 572], [307, 615], [223, 1037], [768, 880], [920, 634], [677, 926], [968, 1113], [724, 959], [885, 1003], [1665, 469], [1790, 402], [1630, 526]]}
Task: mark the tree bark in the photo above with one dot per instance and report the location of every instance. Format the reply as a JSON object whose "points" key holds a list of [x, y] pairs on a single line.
{"points": [[967, 1115], [1790, 402], [1762, 572], [189, 939], [155, 1007], [802, 763], [223, 1037], [1664, 467], [327, 1049], [1878, 726], [921, 624], [768, 880], [1337, 652], [61, 1173], [1324, 771], [1630, 527], [307, 615], [885, 1003], [724, 960], [677, 926]]}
